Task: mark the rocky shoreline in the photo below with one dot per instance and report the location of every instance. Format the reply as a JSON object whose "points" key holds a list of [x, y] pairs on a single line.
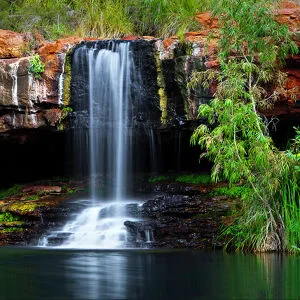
{"points": [[177, 215]]}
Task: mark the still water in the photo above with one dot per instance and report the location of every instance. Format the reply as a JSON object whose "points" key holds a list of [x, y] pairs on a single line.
{"points": [[31, 273]]}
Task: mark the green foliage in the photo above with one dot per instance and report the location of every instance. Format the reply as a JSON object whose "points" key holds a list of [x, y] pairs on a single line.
{"points": [[37, 67], [194, 179], [232, 192], [7, 217], [14, 190], [51, 18], [164, 18], [296, 143], [237, 139], [105, 18], [65, 112], [290, 213], [158, 178], [71, 191]]}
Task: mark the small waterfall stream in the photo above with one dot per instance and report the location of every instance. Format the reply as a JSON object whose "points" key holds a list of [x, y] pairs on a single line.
{"points": [[108, 146]]}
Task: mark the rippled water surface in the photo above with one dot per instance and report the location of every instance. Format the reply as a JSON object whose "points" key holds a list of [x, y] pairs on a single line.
{"points": [[31, 273]]}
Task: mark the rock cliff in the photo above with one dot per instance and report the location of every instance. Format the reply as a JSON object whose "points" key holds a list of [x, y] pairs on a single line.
{"points": [[29, 103]]}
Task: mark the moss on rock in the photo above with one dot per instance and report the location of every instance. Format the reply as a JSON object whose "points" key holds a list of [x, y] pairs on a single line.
{"points": [[22, 208], [67, 81], [163, 99]]}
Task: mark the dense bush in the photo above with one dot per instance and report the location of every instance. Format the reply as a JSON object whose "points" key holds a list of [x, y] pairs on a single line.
{"points": [[237, 138]]}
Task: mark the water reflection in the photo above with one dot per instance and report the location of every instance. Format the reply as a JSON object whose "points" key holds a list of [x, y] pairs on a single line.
{"points": [[96, 274], [84, 275]]}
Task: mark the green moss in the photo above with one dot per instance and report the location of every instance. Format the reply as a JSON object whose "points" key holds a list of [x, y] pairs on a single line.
{"points": [[163, 99], [32, 198], [67, 81], [14, 190], [71, 191], [11, 229], [158, 178], [163, 102], [23, 208], [65, 112], [194, 179]]}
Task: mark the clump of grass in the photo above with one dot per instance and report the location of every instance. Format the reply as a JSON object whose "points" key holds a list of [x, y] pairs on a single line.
{"points": [[14, 190], [108, 18], [164, 18], [290, 213], [194, 179]]}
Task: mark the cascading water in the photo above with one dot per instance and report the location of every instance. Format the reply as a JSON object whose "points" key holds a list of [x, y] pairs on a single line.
{"points": [[108, 145]]}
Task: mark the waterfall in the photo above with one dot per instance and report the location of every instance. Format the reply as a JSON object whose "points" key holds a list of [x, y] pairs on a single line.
{"points": [[109, 101], [61, 79], [104, 130], [14, 75]]}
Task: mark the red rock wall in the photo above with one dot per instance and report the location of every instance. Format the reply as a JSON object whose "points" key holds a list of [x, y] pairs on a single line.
{"points": [[26, 102]]}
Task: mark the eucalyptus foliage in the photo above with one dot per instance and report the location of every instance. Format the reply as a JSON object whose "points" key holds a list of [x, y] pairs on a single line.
{"points": [[252, 49]]}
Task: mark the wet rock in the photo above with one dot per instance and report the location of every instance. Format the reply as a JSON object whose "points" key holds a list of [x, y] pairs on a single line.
{"points": [[140, 234], [36, 209], [42, 188], [179, 220]]}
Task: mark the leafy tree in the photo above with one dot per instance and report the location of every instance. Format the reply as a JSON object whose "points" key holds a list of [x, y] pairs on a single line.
{"points": [[252, 49]]}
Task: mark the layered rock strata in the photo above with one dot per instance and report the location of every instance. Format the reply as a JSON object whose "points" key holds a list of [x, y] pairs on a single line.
{"points": [[27, 102]]}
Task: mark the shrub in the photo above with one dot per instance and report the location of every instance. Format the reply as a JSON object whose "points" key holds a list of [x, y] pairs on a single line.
{"points": [[37, 67]]}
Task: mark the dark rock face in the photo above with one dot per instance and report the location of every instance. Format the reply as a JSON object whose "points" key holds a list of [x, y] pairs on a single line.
{"points": [[188, 219], [143, 89]]}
